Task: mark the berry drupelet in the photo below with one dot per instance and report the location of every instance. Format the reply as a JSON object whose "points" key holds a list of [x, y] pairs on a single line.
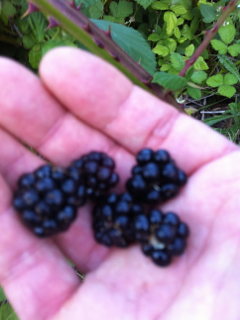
{"points": [[48, 198], [97, 172], [113, 220], [161, 236], [155, 178]]}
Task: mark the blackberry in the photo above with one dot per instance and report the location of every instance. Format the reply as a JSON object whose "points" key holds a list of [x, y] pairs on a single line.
{"points": [[113, 220], [161, 236], [48, 198], [155, 178], [97, 172]]}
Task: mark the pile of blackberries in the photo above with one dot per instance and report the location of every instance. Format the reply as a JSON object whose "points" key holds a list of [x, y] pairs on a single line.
{"points": [[48, 199]]}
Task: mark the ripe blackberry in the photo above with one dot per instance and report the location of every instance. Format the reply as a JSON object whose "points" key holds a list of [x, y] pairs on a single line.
{"points": [[113, 220], [97, 171], [161, 236], [155, 178], [48, 198]]}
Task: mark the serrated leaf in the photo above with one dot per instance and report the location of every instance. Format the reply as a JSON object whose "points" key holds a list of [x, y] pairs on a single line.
{"points": [[229, 79], [183, 39], [154, 37], [215, 81], [160, 62], [159, 5], [188, 16], [199, 76], [96, 10], [178, 9], [208, 12], [200, 64], [229, 65], [8, 9], [219, 46], [227, 91], [196, 94], [38, 24], [186, 32], [145, 3], [177, 32], [234, 50], [171, 21], [189, 50], [122, 9], [177, 61], [132, 42], [169, 81], [161, 50], [165, 67], [227, 32]]}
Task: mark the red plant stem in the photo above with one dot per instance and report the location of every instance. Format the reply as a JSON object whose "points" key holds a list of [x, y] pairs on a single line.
{"points": [[210, 34]]}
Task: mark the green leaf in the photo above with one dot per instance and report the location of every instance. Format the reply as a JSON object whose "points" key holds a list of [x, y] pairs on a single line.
{"points": [[154, 37], [177, 61], [50, 44], [159, 5], [213, 120], [8, 9], [169, 81], [188, 16], [132, 42], [145, 3], [171, 21], [35, 55], [178, 9], [215, 81], [229, 79], [38, 24], [227, 32], [122, 9], [196, 94], [199, 76], [96, 10], [165, 67], [227, 91], [180, 21], [177, 32], [161, 50], [229, 65], [189, 73], [219, 46], [170, 43], [186, 32], [189, 50], [28, 41], [208, 12], [183, 39], [234, 50], [200, 64], [194, 25]]}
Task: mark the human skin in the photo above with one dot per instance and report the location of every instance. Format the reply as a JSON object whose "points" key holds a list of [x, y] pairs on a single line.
{"points": [[79, 104]]}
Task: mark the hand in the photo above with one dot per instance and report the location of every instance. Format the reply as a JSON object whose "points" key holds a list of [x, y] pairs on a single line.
{"points": [[81, 104]]}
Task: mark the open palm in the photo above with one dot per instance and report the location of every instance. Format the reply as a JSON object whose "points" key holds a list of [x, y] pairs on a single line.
{"points": [[81, 104]]}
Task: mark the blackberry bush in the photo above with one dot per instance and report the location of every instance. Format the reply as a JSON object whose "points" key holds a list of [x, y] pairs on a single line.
{"points": [[113, 220], [161, 236], [155, 178], [48, 198], [97, 172]]}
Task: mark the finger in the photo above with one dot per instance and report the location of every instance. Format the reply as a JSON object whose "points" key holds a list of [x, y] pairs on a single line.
{"points": [[136, 119], [34, 274], [40, 121]]}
